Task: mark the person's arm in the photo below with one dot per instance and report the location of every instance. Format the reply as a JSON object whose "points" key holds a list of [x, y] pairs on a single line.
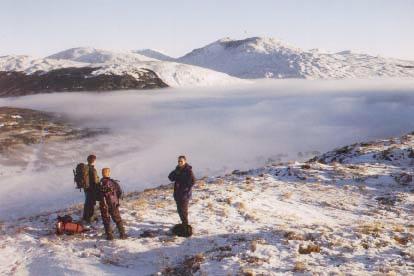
{"points": [[190, 178], [193, 179], [97, 180], [172, 176], [119, 191]]}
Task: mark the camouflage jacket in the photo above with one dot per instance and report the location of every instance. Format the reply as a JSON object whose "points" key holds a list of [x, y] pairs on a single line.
{"points": [[93, 179]]}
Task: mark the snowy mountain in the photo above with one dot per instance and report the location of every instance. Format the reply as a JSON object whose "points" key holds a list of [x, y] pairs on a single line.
{"points": [[92, 55], [348, 211], [87, 69], [154, 54], [24, 75], [224, 62], [173, 74], [30, 65], [260, 57]]}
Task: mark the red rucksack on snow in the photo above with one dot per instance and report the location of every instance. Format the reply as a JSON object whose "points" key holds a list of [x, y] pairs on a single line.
{"points": [[65, 225]]}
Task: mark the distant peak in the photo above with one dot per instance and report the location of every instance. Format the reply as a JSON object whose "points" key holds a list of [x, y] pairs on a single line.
{"points": [[345, 52], [256, 40], [82, 49], [156, 54]]}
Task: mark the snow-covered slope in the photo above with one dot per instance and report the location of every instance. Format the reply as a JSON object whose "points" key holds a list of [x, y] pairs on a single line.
{"points": [[30, 64], [348, 212], [92, 55], [109, 63], [260, 57], [154, 54], [174, 74]]}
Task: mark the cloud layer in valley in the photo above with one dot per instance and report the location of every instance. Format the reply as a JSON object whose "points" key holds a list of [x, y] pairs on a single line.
{"points": [[218, 129]]}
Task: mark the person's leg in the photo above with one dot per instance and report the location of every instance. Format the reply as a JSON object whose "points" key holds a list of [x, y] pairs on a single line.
{"points": [[94, 212], [182, 209], [88, 207], [116, 217], [178, 208], [106, 220]]}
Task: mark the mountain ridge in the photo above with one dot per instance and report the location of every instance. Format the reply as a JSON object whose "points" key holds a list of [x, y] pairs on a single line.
{"points": [[151, 53], [24, 75], [223, 62], [264, 57]]}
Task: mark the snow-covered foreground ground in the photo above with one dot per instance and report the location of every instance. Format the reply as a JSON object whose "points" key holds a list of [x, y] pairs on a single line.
{"points": [[347, 212], [219, 129]]}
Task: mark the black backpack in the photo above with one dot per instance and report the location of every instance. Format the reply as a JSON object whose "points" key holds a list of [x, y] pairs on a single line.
{"points": [[81, 176], [65, 218]]}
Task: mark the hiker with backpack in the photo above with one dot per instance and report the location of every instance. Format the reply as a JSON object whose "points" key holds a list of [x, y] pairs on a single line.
{"points": [[110, 193], [184, 180], [86, 178]]}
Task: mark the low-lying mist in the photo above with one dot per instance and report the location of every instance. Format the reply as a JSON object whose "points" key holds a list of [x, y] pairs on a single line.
{"points": [[218, 129]]}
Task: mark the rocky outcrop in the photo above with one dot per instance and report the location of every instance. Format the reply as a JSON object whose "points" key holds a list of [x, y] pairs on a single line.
{"points": [[14, 83], [23, 127]]}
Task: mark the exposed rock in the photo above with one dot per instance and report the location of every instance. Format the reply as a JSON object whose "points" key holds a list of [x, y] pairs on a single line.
{"points": [[13, 83], [19, 127], [403, 178]]}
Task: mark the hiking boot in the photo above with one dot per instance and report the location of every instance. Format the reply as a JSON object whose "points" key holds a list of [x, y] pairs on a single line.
{"points": [[109, 236], [108, 232], [121, 230]]}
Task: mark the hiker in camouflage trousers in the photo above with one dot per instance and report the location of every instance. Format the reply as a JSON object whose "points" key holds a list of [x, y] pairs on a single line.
{"points": [[92, 192], [110, 193]]}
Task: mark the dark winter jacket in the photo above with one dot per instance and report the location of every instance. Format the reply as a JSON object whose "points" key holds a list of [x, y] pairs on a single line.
{"points": [[110, 192], [183, 182]]}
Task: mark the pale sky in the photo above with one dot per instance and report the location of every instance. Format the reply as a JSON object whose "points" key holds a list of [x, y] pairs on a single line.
{"points": [[43, 27]]}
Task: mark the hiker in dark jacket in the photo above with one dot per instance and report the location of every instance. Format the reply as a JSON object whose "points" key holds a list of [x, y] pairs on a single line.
{"points": [[92, 192], [110, 193], [184, 180]]}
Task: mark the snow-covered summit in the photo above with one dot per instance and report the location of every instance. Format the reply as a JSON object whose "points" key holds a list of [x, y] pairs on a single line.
{"points": [[225, 46], [155, 54], [30, 65], [93, 55], [257, 44], [263, 57]]}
